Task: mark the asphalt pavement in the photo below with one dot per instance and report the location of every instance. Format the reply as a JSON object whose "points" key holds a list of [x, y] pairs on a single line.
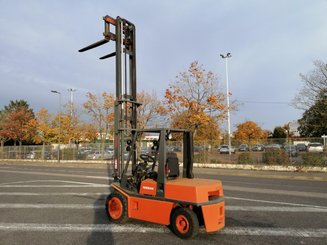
{"points": [[64, 204]]}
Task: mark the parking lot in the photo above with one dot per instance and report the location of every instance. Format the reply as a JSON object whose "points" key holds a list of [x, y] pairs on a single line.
{"points": [[65, 205]]}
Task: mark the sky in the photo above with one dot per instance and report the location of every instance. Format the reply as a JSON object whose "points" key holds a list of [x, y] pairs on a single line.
{"points": [[271, 43]]}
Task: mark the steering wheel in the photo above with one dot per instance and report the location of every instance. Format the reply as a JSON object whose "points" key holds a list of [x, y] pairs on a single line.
{"points": [[147, 158]]}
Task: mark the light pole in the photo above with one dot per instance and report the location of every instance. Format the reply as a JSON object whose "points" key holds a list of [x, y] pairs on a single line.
{"points": [[225, 57], [71, 90], [59, 134]]}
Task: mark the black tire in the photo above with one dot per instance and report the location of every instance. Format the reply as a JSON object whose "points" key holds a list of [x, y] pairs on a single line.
{"points": [[116, 208], [184, 223]]}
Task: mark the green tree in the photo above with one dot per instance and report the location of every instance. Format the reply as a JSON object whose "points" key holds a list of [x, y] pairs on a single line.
{"points": [[313, 121], [279, 133], [16, 105]]}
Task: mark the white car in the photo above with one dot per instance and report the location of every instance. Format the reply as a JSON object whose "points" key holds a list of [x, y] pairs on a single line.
{"points": [[224, 149], [315, 147]]}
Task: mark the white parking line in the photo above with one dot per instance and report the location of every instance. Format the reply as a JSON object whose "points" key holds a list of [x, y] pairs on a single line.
{"points": [[38, 181], [227, 208], [275, 209], [52, 193], [55, 186], [49, 206], [127, 228], [78, 228], [56, 174], [273, 202], [274, 191]]}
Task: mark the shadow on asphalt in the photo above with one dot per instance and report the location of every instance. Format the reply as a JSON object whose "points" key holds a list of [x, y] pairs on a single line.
{"points": [[101, 218]]}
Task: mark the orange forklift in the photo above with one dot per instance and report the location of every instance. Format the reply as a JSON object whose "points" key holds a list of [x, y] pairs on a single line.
{"points": [[148, 186]]}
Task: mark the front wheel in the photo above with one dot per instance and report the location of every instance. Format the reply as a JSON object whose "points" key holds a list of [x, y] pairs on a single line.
{"points": [[116, 207], [185, 223]]}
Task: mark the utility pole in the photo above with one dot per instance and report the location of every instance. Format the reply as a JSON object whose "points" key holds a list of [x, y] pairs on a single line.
{"points": [[226, 57], [71, 90], [59, 123]]}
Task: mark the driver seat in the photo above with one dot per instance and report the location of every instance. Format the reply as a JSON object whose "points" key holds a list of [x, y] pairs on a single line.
{"points": [[172, 165]]}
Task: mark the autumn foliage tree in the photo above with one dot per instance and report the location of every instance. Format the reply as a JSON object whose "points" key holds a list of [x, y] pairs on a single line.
{"points": [[194, 100], [15, 124], [101, 110], [249, 132]]}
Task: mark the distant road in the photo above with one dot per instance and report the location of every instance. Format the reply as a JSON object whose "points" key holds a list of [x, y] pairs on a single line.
{"points": [[65, 205]]}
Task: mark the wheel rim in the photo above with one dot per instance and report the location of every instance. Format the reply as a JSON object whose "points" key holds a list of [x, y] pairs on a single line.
{"points": [[115, 208], [182, 224]]}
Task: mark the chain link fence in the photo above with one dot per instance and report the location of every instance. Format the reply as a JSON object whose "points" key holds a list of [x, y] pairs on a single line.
{"points": [[269, 152]]}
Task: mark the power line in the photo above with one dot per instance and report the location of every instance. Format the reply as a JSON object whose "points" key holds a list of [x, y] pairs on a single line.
{"points": [[265, 102]]}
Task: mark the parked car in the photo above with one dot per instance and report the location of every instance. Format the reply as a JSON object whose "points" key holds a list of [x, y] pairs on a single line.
{"points": [[258, 147], [315, 147], [224, 149], [243, 147], [291, 150], [31, 155], [273, 146], [98, 155], [200, 148], [301, 147]]}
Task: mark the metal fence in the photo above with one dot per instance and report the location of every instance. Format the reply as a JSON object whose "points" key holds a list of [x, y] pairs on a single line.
{"points": [[271, 153]]}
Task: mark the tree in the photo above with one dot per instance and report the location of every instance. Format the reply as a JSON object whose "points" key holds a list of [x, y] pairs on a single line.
{"points": [[279, 133], [150, 111], [249, 132], [16, 105], [43, 124], [313, 121], [314, 82], [194, 98], [16, 117], [3, 136], [88, 132], [101, 110]]}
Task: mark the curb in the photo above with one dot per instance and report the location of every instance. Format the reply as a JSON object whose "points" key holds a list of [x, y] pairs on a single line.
{"points": [[276, 168], [262, 167]]}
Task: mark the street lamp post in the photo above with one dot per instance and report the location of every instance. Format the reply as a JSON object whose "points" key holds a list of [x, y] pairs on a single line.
{"points": [[59, 120], [71, 90], [225, 57]]}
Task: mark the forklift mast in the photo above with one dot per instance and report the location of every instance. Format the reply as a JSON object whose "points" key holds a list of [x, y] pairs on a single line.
{"points": [[126, 132], [126, 94]]}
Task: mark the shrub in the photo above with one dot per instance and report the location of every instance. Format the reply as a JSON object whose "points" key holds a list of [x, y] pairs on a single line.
{"points": [[201, 157], [215, 160], [314, 159], [245, 158], [275, 157]]}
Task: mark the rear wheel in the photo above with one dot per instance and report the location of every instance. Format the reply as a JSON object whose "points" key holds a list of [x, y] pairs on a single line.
{"points": [[116, 207], [184, 223]]}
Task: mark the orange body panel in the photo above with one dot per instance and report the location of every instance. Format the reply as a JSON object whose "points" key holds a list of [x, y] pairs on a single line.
{"points": [[181, 189], [148, 187], [214, 216], [150, 210], [193, 190]]}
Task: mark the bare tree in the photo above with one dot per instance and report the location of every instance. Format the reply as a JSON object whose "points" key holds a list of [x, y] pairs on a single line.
{"points": [[314, 82], [151, 111]]}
